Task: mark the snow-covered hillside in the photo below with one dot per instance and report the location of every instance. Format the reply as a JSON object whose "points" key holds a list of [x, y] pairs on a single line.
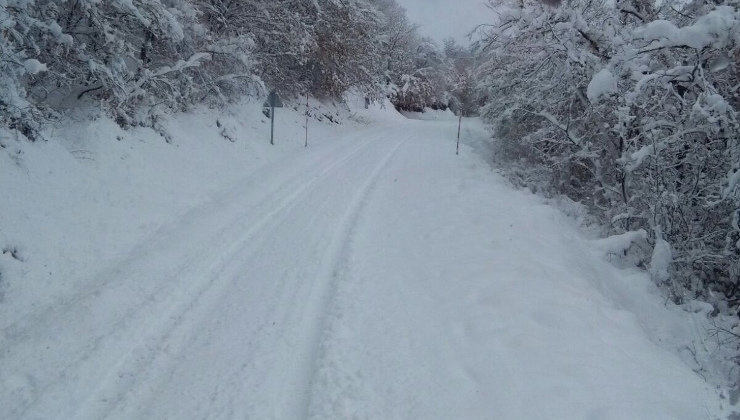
{"points": [[372, 275]]}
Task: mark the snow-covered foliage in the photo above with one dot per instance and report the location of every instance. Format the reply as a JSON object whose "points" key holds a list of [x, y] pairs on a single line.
{"points": [[631, 108], [129, 57], [418, 72], [461, 79], [139, 58], [347, 51], [435, 77]]}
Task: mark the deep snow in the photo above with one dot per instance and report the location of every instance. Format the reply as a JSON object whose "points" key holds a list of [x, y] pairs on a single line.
{"points": [[374, 275]]}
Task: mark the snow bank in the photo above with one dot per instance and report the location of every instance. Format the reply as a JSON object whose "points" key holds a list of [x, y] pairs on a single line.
{"points": [[381, 111]]}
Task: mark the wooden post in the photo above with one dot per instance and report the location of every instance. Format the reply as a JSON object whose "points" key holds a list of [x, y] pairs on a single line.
{"points": [[306, 145], [272, 122], [459, 125]]}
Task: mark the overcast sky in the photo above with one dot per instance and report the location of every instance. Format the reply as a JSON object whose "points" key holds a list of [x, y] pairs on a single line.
{"points": [[442, 19]]}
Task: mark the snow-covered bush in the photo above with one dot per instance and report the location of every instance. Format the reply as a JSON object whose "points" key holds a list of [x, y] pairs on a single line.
{"points": [[630, 108], [18, 64], [135, 59], [129, 57]]}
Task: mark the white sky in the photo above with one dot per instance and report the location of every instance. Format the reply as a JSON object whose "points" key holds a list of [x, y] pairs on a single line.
{"points": [[442, 19]]}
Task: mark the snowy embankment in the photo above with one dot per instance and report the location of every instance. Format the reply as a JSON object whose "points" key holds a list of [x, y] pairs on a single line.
{"points": [[374, 275], [86, 198]]}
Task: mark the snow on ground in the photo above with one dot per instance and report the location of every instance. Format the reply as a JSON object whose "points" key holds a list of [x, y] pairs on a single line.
{"points": [[374, 275], [85, 199]]}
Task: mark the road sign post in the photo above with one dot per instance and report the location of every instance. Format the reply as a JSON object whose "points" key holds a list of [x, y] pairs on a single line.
{"points": [[273, 101]]}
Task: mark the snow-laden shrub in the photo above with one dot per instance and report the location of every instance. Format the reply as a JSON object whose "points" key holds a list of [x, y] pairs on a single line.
{"points": [[129, 57], [17, 65], [631, 110]]}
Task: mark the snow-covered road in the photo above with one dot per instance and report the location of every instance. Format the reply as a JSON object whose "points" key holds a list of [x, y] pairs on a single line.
{"points": [[379, 277]]}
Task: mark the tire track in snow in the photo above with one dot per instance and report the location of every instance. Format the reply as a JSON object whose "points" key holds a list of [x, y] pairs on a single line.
{"points": [[317, 312], [253, 370], [268, 379], [149, 350]]}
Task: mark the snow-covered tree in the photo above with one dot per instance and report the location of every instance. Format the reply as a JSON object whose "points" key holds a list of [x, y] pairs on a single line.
{"points": [[399, 39], [18, 63], [130, 56], [462, 82], [225, 32], [346, 53]]}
